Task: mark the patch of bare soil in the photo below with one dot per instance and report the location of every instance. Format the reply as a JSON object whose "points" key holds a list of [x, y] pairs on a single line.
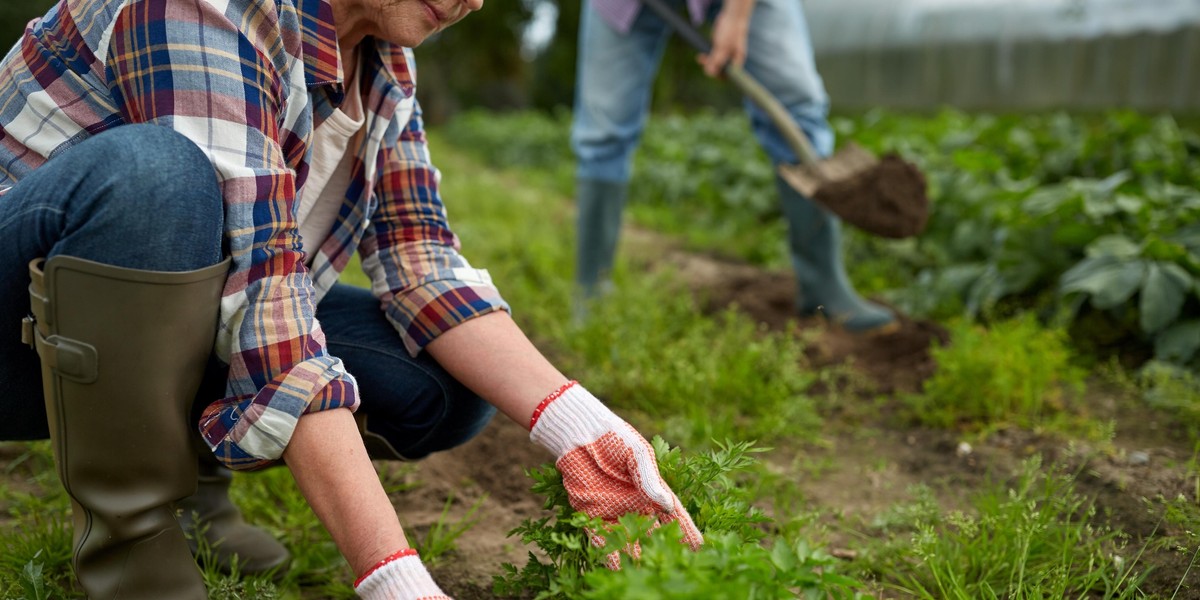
{"points": [[493, 465], [894, 361], [867, 464]]}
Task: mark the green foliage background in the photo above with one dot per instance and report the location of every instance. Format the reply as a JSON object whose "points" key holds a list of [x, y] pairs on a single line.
{"points": [[14, 14], [1087, 219]]}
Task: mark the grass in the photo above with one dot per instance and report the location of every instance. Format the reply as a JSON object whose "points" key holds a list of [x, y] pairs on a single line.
{"points": [[442, 536], [658, 359], [1033, 539], [35, 547]]}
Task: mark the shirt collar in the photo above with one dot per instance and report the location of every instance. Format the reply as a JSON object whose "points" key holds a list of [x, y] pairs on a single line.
{"points": [[322, 63], [322, 60], [396, 66]]}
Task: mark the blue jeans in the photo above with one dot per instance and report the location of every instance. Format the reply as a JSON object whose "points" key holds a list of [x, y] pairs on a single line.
{"points": [[616, 72], [106, 199]]}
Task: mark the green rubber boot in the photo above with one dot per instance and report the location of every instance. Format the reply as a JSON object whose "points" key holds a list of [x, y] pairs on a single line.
{"points": [[122, 354], [210, 515], [815, 243], [598, 227]]}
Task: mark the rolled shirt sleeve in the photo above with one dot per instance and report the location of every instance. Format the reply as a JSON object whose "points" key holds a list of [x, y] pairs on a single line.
{"points": [[425, 285]]}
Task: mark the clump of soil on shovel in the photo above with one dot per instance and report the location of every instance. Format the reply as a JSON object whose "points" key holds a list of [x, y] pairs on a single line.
{"points": [[888, 200]]}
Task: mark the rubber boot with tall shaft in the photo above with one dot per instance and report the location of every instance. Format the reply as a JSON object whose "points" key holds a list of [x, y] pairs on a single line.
{"points": [[122, 354], [815, 243], [598, 227]]}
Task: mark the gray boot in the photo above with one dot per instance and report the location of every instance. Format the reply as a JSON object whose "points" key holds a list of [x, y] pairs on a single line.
{"points": [[209, 514], [122, 353], [598, 227], [815, 243]]}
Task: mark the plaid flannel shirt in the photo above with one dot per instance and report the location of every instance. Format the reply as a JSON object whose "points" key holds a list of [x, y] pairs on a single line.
{"points": [[247, 81]]}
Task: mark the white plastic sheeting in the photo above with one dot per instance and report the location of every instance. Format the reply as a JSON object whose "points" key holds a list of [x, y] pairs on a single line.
{"points": [[1009, 53], [848, 24]]}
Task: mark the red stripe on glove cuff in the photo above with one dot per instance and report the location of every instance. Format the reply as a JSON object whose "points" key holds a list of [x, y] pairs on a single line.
{"points": [[397, 556], [537, 412]]}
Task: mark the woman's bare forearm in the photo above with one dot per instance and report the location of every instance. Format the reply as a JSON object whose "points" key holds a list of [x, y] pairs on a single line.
{"points": [[491, 356], [332, 469]]}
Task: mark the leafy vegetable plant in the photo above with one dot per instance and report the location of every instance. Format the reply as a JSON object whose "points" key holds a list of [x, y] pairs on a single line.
{"points": [[1014, 372], [738, 560]]}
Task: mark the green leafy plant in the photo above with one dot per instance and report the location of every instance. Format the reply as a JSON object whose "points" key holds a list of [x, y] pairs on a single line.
{"points": [[1024, 205], [1014, 372], [728, 566], [31, 581], [738, 557]]}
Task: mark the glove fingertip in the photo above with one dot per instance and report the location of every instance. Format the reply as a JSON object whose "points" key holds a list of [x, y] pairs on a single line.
{"points": [[613, 562], [667, 504]]}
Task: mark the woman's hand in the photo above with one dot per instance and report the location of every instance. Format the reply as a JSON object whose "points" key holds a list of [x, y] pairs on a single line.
{"points": [[608, 468]]}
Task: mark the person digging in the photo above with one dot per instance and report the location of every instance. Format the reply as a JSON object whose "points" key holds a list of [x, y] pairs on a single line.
{"points": [[621, 43]]}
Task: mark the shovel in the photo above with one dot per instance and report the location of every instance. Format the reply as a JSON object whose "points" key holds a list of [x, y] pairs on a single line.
{"points": [[882, 197]]}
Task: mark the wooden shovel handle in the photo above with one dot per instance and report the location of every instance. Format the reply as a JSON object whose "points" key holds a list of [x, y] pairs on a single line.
{"points": [[779, 115], [758, 94]]}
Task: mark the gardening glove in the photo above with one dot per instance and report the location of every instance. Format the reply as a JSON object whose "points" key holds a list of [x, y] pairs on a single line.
{"points": [[400, 576], [608, 468]]}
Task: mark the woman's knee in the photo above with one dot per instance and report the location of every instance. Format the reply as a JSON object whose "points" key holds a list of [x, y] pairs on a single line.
{"points": [[161, 163], [462, 417], [163, 170], [475, 414], [160, 189]]}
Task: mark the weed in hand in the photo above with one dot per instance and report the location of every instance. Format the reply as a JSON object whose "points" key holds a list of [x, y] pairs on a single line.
{"points": [[739, 559]]}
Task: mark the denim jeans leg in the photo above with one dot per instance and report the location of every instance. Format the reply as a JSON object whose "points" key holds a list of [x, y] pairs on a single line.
{"points": [[136, 196], [612, 92], [780, 56], [412, 402]]}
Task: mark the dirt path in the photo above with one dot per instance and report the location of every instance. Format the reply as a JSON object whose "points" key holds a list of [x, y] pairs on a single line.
{"points": [[869, 459]]}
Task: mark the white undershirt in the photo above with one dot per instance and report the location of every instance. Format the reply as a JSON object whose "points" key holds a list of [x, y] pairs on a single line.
{"points": [[328, 178]]}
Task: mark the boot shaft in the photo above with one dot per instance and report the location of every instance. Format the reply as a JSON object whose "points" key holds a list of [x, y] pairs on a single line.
{"points": [[122, 354]]}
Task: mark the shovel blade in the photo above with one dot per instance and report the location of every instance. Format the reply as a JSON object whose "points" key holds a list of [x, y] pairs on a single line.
{"points": [[847, 163], [884, 198], [801, 178]]}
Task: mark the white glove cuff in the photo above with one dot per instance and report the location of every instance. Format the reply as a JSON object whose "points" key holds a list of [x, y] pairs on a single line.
{"points": [[399, 577], [570, 418]]}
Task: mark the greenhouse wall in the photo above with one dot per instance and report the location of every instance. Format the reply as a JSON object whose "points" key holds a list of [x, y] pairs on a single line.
{"points": [[1020, 55]]}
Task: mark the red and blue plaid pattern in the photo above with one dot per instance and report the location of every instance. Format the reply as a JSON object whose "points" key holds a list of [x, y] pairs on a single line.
{"points": [[247, 81]]}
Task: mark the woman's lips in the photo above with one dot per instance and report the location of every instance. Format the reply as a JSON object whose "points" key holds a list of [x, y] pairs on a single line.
{"points": [[437, 17]]}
